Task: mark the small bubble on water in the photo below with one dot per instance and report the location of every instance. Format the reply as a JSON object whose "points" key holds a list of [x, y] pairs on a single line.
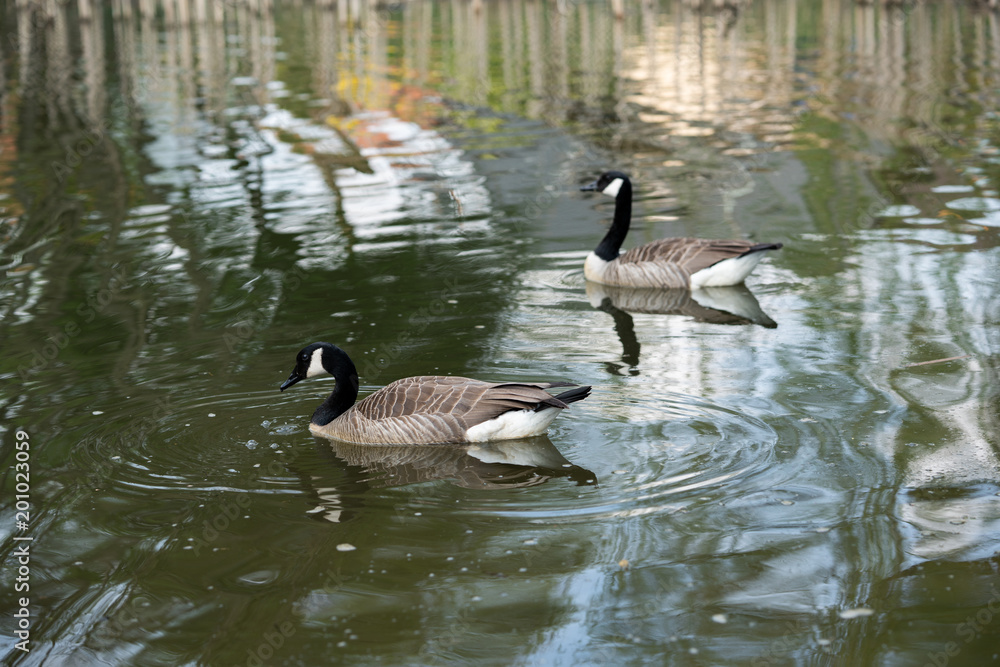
{"points": [[531, 542], [344, 546], [273, 445], [211, 414], [720, 618], [251, 444], [97, 412]]}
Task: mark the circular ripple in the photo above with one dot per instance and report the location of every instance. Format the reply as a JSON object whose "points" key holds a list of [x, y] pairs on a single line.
{"points": [[648, 456], [652, 458], [203, 443]]}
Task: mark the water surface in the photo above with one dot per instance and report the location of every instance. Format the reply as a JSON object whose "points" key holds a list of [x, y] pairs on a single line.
{"points": [[192, 196]]}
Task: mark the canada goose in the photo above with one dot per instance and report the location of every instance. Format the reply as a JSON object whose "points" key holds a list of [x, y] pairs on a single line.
{"points": [[427, 409], [681, 262]]}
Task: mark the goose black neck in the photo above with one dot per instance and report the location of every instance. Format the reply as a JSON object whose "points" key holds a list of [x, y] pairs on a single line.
{"points": [[345, 391], [611, 245]]}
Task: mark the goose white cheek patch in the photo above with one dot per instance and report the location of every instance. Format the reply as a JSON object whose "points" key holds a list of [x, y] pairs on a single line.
{"points": [[613, 188], [316, 364]]}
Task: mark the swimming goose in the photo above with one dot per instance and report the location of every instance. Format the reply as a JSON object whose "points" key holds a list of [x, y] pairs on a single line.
{"points": [[426, 409], [666, 263]]}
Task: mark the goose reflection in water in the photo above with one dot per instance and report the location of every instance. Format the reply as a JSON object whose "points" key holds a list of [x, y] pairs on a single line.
{"points": [[734, 304], [498, 465]]}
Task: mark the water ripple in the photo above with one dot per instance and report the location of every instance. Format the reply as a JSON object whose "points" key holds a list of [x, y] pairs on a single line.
{"points": [[677, 453]]}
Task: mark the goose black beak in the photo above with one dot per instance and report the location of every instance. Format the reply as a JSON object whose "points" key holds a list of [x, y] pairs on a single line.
{"points": [[292, 379], [589, 188]]}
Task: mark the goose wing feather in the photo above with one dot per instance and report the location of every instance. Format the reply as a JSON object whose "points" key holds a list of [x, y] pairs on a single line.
{"points": [[436, 409], [690, 255], [462, 397]]}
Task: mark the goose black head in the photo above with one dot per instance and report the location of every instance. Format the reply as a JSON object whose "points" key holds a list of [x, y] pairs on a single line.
{"points": [[610, 183], [313, 360]]}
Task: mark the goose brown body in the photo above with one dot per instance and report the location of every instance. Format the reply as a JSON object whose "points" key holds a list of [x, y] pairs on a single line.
{"points": [[686, 263], [429, 409], [433, 409], [671, 263]]}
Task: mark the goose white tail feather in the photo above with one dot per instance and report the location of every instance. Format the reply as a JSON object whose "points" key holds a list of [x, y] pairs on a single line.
{"points": [[727, 272], [513, 424]]}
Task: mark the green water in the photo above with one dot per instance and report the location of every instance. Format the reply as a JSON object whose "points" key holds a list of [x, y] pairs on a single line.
{"points": [[188, 198]]}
